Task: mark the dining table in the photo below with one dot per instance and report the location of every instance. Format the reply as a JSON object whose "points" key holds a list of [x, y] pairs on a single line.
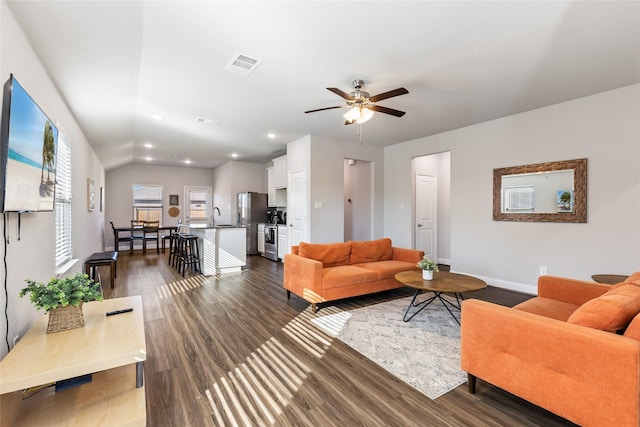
{"points": [[130, 229]]}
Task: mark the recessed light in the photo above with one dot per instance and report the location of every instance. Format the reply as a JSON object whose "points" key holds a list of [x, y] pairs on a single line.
{"points": [[157, 116], [147, 145], [148, 159], [271, 135], [188, 161], [234, 155]]}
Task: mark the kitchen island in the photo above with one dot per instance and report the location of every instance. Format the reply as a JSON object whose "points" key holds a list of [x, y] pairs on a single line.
{"points": [[222, 248]]}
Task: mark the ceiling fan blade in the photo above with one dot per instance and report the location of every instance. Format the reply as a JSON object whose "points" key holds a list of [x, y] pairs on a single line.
{"points": [[340, 93], [322, 109], [390, 94], [386, 110]]}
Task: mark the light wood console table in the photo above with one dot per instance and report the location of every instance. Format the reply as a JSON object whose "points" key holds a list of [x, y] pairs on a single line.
{"points": [[112, 348]]}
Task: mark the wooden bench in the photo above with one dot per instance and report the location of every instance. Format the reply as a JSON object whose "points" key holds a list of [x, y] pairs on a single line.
{"points": [[109, 258]]}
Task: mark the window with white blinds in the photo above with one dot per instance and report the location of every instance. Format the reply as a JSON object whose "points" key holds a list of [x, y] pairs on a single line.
{"points": [[147, 202], [63, 202]]}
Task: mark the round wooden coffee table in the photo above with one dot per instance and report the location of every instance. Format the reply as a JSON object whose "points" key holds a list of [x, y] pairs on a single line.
{"points": [[443, 282]]}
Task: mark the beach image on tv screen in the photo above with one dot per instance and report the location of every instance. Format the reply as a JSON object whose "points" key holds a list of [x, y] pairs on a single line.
{"points": [[30, 175]]}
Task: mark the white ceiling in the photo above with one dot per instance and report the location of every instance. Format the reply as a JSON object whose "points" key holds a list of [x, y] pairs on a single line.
{"points": [[116, 63]]}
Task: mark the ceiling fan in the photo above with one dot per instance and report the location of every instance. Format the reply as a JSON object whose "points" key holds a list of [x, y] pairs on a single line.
{"points": [[361, 105]]}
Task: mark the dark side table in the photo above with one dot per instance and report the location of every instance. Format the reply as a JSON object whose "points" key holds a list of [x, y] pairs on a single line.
{"points": [[609, 279]]}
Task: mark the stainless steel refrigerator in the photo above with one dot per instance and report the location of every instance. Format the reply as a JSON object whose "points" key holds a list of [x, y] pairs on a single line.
{"points": [[252, 209]]}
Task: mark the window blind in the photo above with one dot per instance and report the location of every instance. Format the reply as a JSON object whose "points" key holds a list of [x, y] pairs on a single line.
{"points": [[63, 202]]}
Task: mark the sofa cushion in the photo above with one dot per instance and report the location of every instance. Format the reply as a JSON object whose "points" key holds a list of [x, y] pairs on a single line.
{"points": [[633, 330], [547, 307], [369, 251], [329, 254], [634, 279], [610, 312], [346, 275], [387, 269]]}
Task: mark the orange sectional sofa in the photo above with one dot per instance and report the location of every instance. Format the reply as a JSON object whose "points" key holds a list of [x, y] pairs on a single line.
{"points": [[573, 350], [328, 272]]}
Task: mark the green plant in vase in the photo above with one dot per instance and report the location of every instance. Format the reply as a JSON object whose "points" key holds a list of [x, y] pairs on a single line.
{"points": [[63, 299], [428, 267]]}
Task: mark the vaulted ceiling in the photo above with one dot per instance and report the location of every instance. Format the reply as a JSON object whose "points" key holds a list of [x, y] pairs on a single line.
{"points": [[119, 63]]}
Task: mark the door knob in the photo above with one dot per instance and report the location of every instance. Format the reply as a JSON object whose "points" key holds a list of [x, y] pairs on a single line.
{"points": [[419, 225]]}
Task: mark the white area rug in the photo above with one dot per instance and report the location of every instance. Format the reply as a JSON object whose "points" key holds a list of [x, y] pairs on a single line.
{"points": [[424, 352]]}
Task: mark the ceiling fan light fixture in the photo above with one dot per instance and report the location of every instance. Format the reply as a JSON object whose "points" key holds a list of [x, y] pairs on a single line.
{"points": [[365, 115], [358, 115], [352, 115]]}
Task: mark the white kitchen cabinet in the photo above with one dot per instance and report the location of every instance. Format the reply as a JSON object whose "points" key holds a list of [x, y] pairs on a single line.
{"points": [[260, 238], [283, 241], [280, 172], [271, 189]]}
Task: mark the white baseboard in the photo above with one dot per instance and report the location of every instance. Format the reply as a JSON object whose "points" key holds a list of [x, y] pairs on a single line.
{"points": [[505, 284]]}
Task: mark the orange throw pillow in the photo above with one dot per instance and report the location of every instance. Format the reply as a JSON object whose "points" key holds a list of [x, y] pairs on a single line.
{"points": [[330, 254], [371, 250], [610, 312]]}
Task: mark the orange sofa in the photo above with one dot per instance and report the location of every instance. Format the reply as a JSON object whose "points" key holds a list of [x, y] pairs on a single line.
{"points": [[573, 350], [328, 272]]}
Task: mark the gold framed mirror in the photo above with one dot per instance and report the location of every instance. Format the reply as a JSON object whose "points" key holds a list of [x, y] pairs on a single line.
{"points": [[543, 192]]}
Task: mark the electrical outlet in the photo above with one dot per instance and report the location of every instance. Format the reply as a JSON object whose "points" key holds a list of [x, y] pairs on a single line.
{"points": [[543, 270]]}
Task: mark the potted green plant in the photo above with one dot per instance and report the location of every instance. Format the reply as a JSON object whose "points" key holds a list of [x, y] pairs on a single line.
{"points": [[63, 299], [428, 267]]}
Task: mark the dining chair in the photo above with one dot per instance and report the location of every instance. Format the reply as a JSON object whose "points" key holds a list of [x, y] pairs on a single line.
{"points": [[171, 237], [117, 238], [137, 231], [150, 233]]}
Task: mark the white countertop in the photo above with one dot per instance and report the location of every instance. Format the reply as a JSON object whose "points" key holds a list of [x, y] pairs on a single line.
{"points": [[208, 227]]}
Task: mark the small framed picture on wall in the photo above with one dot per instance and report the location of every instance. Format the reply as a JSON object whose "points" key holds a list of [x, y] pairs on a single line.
{"points": [[173, 200]]}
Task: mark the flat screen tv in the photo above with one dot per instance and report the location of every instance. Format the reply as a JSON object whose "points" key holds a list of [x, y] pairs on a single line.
{"points": [[28, 146]]}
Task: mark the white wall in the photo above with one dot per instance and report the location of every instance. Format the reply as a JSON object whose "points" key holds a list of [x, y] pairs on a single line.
{"points": [[119, 195], [232, 178], [357, 200], [33, 255], [603, 128], [326, 180]]}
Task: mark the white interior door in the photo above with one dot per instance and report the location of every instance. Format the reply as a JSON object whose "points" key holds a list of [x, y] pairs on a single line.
{"points": [[297, 217], [426, 220]]}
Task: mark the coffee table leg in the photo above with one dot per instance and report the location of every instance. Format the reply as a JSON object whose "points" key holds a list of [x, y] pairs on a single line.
{"points": [[411, 304], [139, 374], [446, 304]]}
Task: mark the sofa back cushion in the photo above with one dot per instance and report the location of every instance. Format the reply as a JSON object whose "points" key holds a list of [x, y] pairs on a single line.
{"points": [[370, 251], [610, 312], [329, 254], [633, 330], [634, 279]]}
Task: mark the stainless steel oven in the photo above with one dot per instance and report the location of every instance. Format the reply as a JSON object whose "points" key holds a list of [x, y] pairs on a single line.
{"points": [[271, 242]]}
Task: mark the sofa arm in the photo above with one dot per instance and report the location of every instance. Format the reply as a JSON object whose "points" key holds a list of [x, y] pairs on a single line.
{"points": [[573, 291], [588, 376], [408, 255], [303, 277]]}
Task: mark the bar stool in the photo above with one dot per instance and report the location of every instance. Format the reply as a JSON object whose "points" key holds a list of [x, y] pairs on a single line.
{"points": [[188, 253], [176, 245]]}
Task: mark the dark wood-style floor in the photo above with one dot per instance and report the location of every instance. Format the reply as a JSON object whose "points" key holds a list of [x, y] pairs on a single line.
{"points": [[232, 350]]}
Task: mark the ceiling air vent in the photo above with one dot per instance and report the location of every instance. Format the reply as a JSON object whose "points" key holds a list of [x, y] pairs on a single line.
{"points": [[243, 64]]}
